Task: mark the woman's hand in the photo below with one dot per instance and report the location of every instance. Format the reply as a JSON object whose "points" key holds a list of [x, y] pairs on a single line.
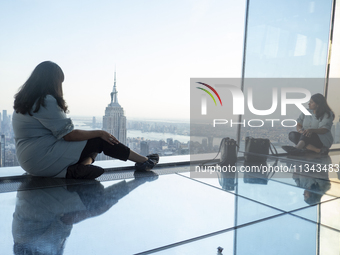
{"points": [[108, 137], [307, 132], [299, 128]]}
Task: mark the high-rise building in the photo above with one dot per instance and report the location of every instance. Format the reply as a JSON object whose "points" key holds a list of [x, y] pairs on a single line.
{"points": [[114, 120], [4, 117], [5, 124], [210, 143], [0, 155], [94, 124], [144, 148], [170, 141], [3, 151], [336, 133]]}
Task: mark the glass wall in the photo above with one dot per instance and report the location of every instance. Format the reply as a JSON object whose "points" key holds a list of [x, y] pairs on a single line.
{"points": [[287, 47], [286, 51], [333, 89]]}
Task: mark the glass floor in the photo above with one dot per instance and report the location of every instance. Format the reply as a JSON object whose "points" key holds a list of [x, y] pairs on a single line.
{"points": [[168, 212]]}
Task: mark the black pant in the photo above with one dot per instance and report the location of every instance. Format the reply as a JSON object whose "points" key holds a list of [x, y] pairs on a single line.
{"points": [[98, 145], [91, 149], [314, 139]]}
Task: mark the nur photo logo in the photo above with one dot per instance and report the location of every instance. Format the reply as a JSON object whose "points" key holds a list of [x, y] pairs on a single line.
{"points": [[204, 99], [258, 103]]}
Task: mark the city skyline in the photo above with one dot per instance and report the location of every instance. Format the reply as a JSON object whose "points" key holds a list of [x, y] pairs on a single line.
{"points": [[157, 48]]}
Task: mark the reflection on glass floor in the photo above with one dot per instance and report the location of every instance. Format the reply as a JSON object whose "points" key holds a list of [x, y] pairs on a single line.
{"points": [[170, 213]]}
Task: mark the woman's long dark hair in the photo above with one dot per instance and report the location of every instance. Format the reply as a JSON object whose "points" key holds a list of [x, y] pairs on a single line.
{"points": [[46, 79], [323, 107]]}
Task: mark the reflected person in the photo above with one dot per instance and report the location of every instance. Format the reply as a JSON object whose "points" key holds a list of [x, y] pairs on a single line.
{"points": [[315, 183], [313, 131], [43, 218]]}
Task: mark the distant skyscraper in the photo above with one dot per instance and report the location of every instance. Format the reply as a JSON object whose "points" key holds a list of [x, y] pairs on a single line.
{"points": [[0, 155], [114, 120], [205, 142], [5, 124], [94, 124], [144, 148], [4, 117], [210, 142], [170, 141], [336, 134], [3, 150]]}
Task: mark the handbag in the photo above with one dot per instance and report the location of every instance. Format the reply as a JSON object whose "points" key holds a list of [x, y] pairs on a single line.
{"points": [[228, 149], [255, 146]]}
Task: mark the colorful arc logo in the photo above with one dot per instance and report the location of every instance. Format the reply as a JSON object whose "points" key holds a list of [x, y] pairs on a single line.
{"points": [[209, 92]]}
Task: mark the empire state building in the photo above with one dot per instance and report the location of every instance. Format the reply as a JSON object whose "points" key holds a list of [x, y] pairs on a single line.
{"points": [[114, 120]]}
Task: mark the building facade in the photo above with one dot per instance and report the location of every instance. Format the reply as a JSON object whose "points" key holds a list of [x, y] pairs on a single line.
{"points": [[114, 120], [144, 148], [2, 151]]}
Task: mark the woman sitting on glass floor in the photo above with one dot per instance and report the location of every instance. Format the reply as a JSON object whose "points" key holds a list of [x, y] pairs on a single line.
{"points": [[313, 131], [47, 143]]}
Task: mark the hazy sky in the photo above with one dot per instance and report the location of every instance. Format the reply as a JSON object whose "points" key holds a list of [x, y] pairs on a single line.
{"points": [[157, 46]]}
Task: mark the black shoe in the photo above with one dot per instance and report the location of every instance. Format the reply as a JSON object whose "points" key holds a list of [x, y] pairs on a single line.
{"points": [[149, 164], [291, 150], [324, 150], [79, 171], [288, 148], [154, 157]]}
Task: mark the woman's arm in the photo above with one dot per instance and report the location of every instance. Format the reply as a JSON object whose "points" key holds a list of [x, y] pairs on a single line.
{"points": [[308, 132], [82, 135], [325, 126], [299, 128], [300, 121]]}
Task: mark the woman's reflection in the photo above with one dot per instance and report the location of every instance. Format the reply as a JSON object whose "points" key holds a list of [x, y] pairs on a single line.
{"points": [[43, 218], [313, 179]]}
